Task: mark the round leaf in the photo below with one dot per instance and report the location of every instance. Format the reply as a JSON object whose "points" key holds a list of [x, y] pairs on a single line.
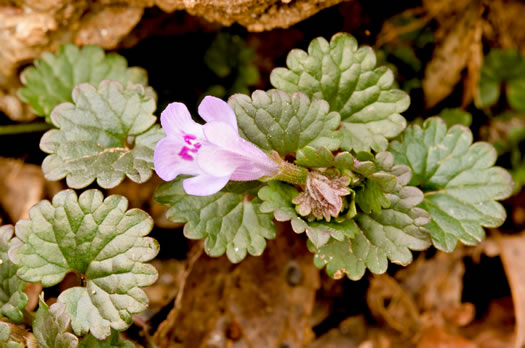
{"points": [[228, 221], [98, 238], [12, 297], [107, 134], [274, 120], [347, 78], [460, 183], [52, 78]]}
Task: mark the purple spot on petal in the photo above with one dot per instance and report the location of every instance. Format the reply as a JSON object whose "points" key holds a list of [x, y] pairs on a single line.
{"points": [[193, 147], [184, 154], [188, 138]]}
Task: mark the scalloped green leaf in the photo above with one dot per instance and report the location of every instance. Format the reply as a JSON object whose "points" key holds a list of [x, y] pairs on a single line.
{"points": [[107, 135], [230, 222], [5, 337], [51, 326], [371, 195], [98, 238], [460, 182], [315, 158], [52, 78], [277, 199], [12, 297], [502, 68], [346, 76], [389, 235], [275, 120], [113, 341]]}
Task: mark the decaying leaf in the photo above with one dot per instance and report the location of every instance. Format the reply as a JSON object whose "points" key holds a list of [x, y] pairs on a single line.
{"points": [[21, 186], [513, 257], [452, 54], [264, 301]]}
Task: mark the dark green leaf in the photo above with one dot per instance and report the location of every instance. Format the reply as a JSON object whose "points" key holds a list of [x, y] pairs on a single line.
{"points": [[229, 222], [99, 238], [107, 134], [52, 79], [113, 341], [315, 158], [347, 78], [459, 179], [456, 116], [388, 235], [51, 326], [274, 120], [12, 297], [502, 67]]}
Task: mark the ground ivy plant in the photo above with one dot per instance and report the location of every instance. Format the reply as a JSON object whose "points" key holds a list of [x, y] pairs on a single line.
{"points": [[327, 152]]}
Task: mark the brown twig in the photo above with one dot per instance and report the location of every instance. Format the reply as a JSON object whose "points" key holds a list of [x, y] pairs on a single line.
{"points": [[165, 331]]}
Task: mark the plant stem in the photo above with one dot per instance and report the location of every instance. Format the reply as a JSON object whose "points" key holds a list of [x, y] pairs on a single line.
{"points": [[24, 128]]}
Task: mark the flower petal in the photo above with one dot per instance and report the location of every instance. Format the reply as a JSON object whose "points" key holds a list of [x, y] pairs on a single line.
{"points": [[213, 109], [176, 121], [250, 161], [218, 162], [168, 163], [204, 185]]}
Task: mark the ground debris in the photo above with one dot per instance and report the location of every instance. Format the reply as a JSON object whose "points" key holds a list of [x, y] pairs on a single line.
{"points": [[264, 301], [21, 186]]}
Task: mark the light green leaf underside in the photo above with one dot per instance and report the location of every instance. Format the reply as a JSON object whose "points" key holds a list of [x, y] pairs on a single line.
{"points": [[275, 120], [461, 184], [12, 297], [98, 238], [389, 235], [277, 199], [52, 78], [347, 78], [51, 327], [107, 134], [229, 222]]}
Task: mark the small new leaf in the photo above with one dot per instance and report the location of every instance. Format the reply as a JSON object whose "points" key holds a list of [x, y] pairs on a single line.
{"points": [[315, 158], [5, 337], [98, 238], [460, 183], [390, 234], [274, 120], [371, 195], [113, 341], [347, 78], [51, 326], [52, 78], [229, 222], [12, 297], [107, 134], [277, 199]]}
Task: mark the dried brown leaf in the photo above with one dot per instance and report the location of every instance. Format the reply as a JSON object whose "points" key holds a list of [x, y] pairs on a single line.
{"points": [[437, 337], [505, 26], [513, 257], [436, 284], [451, 55], [264, 301], [21, 186], [389, 302]]}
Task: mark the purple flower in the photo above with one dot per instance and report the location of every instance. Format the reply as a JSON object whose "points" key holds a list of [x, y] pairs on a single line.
{"points": [[213, 153]]}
